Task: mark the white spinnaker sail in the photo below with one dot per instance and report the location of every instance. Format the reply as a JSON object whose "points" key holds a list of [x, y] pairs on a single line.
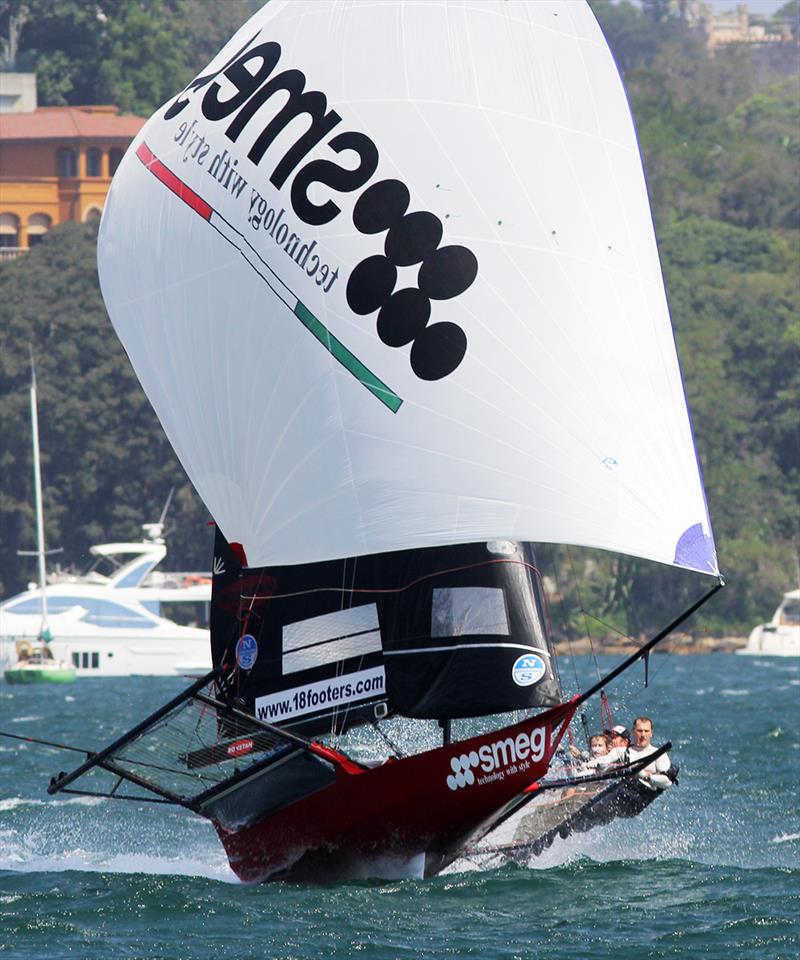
{"points": [[389, 278]]}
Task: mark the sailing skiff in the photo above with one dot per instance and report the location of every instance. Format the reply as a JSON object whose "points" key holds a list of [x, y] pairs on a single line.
{"points": [[387, 274]]}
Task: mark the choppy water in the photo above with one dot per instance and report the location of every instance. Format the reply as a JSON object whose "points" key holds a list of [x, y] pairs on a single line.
{"points": [[712, 869]]}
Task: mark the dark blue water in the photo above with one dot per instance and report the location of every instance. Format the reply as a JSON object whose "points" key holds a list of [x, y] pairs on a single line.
{"points": [[712, 869]]}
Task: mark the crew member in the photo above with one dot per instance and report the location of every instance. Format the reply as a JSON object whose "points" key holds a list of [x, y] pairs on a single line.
{"points": [[655, 773]]}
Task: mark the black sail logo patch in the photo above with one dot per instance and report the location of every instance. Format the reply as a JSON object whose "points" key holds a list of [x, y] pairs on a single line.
{"points": [[253, 92], [444, 272]]}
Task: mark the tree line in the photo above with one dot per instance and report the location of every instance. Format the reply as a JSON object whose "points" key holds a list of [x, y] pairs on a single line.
{"points": [[720, 141]]}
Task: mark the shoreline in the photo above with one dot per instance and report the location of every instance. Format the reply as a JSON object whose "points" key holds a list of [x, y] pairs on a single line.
{"points": [[681, 643]]}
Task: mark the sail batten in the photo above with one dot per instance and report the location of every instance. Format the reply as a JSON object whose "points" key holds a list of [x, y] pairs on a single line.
{"points": [[397, 287]]}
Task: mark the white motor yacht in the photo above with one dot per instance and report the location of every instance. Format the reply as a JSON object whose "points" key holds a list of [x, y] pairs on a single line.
{"points": [[130, 621], [781, 636]]}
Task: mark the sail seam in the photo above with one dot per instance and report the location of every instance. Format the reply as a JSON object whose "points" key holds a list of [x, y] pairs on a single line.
{"points": [[466, 646]]}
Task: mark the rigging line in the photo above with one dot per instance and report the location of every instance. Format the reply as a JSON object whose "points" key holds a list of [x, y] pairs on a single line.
{"points": [[609, 626], [538, 587], [46, 743], [647, 647], [390, 590], [361, 658], [584, 611], [670, 650], [196, 732], [387, 739], [606, 714], [245, 621], [564, 623], [339, 665]]}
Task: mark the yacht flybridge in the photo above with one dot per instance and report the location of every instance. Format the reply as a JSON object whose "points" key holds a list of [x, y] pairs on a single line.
{"points": [[120, 618]]}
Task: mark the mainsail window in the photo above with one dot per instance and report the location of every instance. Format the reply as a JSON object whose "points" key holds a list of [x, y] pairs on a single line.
{"points": [[465, 611], [331, 637]]}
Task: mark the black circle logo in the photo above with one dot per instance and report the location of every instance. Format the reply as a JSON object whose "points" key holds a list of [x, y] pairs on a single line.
{"points": [[445, 272]]}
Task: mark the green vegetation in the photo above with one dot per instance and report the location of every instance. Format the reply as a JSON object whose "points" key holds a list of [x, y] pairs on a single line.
{"points": [[721, 149], [721, 146], [133, 53], [106, 464]]}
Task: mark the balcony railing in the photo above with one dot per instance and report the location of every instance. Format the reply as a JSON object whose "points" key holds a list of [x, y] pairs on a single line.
{"points": [[11, 253]]}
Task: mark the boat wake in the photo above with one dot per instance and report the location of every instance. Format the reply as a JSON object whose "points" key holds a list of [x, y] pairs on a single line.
{"points": [[671, 835], [87, 861], [38, 836], [58, 845], [786, 838], [11, 803]]}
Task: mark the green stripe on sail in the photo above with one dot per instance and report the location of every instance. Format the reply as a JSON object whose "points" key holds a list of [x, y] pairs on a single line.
{"points": [[337, 349]]}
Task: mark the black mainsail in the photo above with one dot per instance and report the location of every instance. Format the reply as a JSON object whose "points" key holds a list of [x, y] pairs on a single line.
{"points": [[409, 632]]}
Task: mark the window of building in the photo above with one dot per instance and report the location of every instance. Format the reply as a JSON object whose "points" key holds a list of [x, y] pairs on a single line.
{"points": [[93, 159], [9, 230], [92, 215], [114, 157], [38, 225], [67, 163]]}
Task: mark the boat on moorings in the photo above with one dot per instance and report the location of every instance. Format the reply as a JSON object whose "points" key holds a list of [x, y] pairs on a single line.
{"points": [[121, 622], [36, 664], [781, 636], [35, 661]]}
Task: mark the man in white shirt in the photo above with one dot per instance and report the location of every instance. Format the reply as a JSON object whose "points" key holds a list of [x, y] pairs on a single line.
{"points": [[655, 773]]}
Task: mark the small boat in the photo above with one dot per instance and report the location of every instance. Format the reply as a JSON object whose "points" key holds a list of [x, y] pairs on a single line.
{"points": [[111, 620], [36, 664], [121, 622], [398, 328], [35, 660], [781, 636]]}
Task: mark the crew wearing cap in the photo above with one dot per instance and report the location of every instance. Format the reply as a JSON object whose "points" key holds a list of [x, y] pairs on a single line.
{"points": [[619, 737]]}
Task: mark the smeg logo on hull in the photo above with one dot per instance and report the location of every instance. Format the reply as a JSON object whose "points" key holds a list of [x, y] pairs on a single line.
{"points": [[257, 102], [497, 757]]}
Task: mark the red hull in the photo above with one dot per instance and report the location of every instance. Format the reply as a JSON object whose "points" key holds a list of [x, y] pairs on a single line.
{"points": [[374, 822]]}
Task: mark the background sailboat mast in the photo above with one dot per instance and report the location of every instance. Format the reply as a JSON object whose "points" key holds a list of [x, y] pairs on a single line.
{"points": [[37, 483]]}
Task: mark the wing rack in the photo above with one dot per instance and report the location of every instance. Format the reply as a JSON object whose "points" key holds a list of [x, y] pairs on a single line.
{"points": [[194, 749]]}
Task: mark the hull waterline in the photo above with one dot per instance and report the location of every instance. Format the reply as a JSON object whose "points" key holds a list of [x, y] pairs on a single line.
{"points": [[40, 675]]}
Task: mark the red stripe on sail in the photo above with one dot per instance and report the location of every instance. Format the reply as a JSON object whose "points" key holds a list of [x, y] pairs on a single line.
{"points": [[238, 552], [173, 183]]}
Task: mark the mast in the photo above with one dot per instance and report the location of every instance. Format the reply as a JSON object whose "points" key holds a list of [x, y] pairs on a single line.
{"points": [[44, 632]]}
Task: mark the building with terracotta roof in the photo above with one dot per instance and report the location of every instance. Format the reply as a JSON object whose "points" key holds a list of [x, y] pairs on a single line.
{"points": [[56, 164]]}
